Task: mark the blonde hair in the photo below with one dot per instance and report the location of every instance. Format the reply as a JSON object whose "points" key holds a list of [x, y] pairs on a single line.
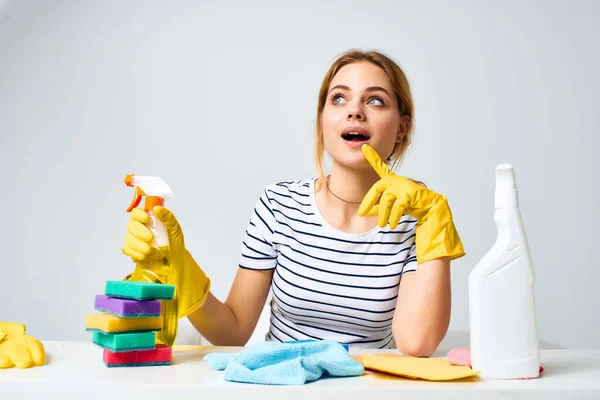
{"points": [[402, 91]]}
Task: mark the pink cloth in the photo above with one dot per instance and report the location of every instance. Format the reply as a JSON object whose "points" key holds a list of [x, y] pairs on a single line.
{"points": [[463, 357]]}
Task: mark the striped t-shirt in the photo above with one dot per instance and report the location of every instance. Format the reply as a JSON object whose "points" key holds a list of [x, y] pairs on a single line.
{"points": [[327, 284]]}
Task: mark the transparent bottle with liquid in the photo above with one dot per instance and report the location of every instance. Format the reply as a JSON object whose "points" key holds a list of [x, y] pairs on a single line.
{"points": [[156, 267]]}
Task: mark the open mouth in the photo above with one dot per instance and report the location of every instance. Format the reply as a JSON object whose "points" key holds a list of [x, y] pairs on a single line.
{"points": [[355, 137]]}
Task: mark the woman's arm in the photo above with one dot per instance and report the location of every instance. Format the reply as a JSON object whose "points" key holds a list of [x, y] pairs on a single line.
{"points": [[423, 308], [231, 323]]}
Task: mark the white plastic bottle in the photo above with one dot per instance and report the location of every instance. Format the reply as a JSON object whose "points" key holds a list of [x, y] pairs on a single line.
{"points": [[503, 324]]}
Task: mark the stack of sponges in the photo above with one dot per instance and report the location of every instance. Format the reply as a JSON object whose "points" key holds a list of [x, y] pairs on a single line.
{"points": [[126, 328]]}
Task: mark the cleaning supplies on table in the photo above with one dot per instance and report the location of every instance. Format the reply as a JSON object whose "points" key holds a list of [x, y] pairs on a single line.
{"points": [[290, 363], [127, 328], [503, 326], [156, 267]]}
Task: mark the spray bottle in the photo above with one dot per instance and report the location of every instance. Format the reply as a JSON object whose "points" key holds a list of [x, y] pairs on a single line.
{"points": [[503, 326], [156, 267]]}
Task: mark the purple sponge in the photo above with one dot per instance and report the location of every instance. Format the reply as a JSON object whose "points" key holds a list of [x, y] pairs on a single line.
{"points": [[128, 308]]}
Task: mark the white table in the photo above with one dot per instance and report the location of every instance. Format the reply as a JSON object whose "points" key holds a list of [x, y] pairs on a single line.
{"points": [[74, 370]]}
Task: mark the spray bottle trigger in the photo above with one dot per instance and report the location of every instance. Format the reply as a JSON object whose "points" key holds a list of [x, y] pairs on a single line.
{"points": [[137, 198]]}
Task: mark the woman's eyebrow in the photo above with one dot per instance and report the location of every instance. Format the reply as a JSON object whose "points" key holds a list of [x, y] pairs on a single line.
{"points": [[369, 89]]}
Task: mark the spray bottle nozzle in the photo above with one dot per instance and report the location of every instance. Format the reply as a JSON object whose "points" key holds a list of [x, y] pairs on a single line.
{"points": [[506, 187], [153, 187], [129, 180]]}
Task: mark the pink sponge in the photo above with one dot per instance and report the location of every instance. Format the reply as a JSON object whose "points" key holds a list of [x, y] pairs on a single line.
{"points": [[161, 355], [459, 357]]}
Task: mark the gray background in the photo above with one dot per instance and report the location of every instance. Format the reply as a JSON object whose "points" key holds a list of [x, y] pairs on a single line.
{"points": [[220, 99]]}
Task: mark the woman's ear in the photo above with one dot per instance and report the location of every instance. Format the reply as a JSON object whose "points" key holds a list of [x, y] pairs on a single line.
{"points": [[402, 128]]}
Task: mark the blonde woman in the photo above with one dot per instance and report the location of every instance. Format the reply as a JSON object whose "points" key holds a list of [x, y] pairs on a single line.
{"points": [[361, 256]]}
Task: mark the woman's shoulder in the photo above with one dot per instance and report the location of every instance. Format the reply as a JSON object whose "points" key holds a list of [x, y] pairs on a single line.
{"points": [[295, 188]]}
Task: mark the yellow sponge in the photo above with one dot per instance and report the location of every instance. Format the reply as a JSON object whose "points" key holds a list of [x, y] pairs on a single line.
{"points": [[108, 323], [432, 369]]}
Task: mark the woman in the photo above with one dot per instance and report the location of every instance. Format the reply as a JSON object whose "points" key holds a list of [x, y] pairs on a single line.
{"points": [[361, 256]]}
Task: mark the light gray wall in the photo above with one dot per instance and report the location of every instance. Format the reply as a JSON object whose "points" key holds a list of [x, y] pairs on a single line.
{"points": [[220, 99]]}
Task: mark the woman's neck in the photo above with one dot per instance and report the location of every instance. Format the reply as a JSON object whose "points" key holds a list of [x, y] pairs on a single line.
{"points": [[340, 196], [348, 186]]}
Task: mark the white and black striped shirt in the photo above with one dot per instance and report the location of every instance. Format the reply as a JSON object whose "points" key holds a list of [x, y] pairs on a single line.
{"points": [[327, 284]]}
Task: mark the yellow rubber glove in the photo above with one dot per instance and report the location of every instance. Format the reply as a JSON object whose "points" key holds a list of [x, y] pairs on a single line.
{"points": [[18, 349], [191, 282], [397, 195]]}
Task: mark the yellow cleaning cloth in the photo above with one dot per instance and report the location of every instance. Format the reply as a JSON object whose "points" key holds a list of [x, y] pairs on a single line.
{"points": [[109, 323], [432, 369]]}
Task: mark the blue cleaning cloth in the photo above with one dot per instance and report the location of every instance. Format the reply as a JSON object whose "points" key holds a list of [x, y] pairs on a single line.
{"points": [[290, 363]]}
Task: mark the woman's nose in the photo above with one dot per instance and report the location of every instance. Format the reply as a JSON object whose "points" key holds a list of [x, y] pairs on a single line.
{"points": [[354, 112]]}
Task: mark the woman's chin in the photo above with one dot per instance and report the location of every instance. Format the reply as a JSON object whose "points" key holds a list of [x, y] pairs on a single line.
{"points": [[352, 161]]}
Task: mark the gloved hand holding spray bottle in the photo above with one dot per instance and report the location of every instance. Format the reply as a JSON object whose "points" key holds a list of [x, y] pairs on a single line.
{"points": [[156, 243], [156, 265]]}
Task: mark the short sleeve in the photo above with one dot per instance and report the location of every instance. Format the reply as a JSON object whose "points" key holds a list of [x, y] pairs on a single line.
{"points": [[410, 264], [258, 251]]}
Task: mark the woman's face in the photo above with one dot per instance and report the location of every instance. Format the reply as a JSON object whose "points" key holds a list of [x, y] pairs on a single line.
{"points": [[361, 108]]}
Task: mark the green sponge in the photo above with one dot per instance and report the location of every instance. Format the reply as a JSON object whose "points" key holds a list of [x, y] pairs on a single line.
{"points": [[118, 342], [139, 290]]}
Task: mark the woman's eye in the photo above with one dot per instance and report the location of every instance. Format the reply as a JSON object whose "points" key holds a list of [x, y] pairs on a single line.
{"points": [[376, 102], [338, 100]]}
